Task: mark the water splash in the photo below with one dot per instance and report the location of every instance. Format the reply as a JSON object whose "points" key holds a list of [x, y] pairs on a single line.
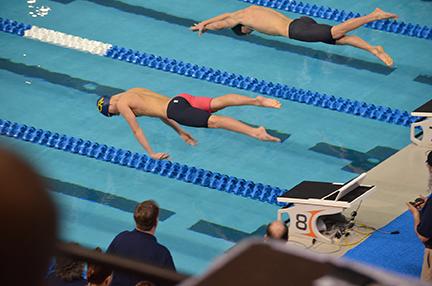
{"points": [[37, 11]]}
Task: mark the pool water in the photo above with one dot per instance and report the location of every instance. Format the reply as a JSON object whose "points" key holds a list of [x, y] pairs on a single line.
{"points": [[55, 89]]}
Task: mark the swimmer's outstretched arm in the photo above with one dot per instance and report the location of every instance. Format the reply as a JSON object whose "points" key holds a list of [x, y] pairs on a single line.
{"points": [[130, 118], [183, 134], [215, 23], [211, 20]]}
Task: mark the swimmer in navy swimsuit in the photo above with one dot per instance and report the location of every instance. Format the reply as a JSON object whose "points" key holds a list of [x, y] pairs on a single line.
{"points": [[184, 109], [305, 29]]}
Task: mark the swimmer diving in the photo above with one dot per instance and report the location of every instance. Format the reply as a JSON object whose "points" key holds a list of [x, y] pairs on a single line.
{"points": [[184, 109], [305, 29]]}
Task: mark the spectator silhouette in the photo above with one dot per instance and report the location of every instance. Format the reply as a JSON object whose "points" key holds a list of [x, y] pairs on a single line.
{"points": [[421, 210], [68, 272], [28, 219], [98, 275], [141, 244]]}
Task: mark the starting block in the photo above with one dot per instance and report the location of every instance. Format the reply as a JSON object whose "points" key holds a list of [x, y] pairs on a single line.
{"points": [[426, 125], [314, 201]]}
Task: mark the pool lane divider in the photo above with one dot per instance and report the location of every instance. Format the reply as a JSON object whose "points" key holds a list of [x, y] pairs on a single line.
{"points": [[268, 88], [141, 162], [323, 12]]}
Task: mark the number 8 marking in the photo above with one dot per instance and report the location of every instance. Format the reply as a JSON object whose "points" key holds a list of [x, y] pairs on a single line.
{"points": [[301, 220]]}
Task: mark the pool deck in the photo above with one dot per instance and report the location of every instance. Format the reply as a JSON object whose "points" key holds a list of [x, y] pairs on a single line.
{"points": [[399, 179]]}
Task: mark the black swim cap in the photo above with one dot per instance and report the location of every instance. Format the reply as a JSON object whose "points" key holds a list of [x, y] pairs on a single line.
{"points": [[238, 30]]}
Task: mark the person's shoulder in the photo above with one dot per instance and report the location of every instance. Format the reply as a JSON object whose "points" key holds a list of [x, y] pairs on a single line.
{"points": [[163, 249], [252, 7], [166, 257], [122, 235], [138, 92], [118, 240]]}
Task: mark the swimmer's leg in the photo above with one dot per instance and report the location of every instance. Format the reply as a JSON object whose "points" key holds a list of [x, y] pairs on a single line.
{"points": [[228, 123], [358, 42], [221, 102], [340, 30]]}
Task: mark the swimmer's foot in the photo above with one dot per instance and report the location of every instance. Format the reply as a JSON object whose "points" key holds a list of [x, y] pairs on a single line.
{"points": [[378, 51], [268, 102], [261, 134], [379, 14]]}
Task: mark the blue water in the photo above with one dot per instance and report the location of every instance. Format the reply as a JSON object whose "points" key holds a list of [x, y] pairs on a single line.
{"points": [[54, 88]]}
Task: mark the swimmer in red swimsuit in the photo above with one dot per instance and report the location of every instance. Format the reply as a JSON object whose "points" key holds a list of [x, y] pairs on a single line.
{"points": [[183, 109]]}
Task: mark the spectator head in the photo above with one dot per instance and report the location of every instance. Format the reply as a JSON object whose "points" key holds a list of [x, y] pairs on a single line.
{"points": [[277, 230], [28, 222], [429, 161], [146, 216], [98, 275], [68, 269]]}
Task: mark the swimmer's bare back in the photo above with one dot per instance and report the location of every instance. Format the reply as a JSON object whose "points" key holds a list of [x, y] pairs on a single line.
{"points": [[265, 20], [261, 19], [145, 102]]}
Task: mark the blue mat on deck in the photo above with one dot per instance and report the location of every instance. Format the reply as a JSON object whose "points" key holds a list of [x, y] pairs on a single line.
{"points": [[402, 253]]}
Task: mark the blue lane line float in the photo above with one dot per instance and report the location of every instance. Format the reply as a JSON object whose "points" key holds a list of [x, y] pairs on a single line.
{"points": [[141, 162], [13, 27], [323, 12], [268, 88]]}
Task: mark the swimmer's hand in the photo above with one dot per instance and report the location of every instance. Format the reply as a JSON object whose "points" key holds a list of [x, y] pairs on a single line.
{"points": [[413, 210], [159, 156], [419, 202], [188, 138], [200, 28]]}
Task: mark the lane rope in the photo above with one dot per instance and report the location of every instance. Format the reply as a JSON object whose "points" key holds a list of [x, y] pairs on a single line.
{"points": [[201, 177]]}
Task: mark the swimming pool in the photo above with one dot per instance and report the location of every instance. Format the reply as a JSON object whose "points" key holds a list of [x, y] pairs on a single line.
{"points": [[55, 89]]}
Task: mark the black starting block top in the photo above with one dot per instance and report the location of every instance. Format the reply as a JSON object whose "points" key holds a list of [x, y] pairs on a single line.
{"points": [[424, 110], [311, 190], [347, 192]]}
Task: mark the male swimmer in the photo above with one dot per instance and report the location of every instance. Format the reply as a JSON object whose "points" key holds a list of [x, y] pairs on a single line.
{"points": [[184, 109], [268, 21]]}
